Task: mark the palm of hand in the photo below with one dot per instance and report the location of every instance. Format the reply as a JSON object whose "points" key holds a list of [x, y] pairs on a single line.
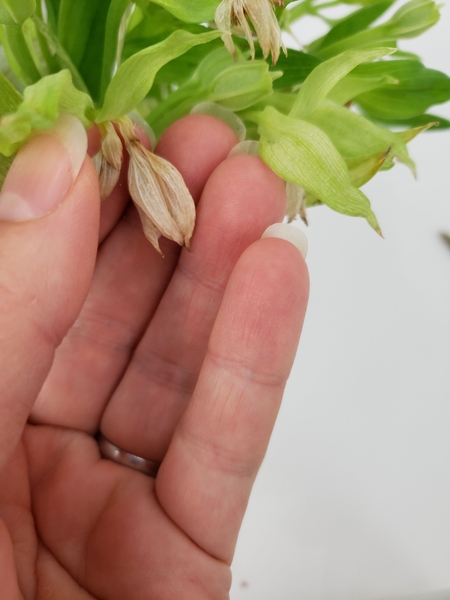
{"points": [[142, 364]]}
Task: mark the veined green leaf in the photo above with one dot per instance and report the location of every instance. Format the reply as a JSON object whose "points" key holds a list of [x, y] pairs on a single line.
{"points": [[190, 11], [354, 136], [354, 23], [323, 79], [16, 11], [411, 19], [418, 89], [362, 169], [301, 153], [241, 86], [350, 87], [10, 99], [135, 76], [42, 104]]}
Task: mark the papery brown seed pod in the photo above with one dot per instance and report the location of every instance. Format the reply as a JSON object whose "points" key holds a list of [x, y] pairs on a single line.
{"points": [[159, 192]]}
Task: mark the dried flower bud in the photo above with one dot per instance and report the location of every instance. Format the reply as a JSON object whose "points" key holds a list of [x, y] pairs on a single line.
{"points": [[164, 203], [108, 161], [296, 202], [262, 15]]}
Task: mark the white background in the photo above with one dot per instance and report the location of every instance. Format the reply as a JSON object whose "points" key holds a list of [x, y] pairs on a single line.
{"points": [[353, 500]]}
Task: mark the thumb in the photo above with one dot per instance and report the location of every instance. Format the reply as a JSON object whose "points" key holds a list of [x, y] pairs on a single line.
{"points": [[49, 214]]}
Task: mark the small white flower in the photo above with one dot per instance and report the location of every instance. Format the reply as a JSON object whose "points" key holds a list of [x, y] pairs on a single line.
{"points": [[262, 15]]}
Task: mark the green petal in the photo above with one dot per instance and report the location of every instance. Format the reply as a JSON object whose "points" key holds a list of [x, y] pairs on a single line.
{"points": [[135, 76], [301, 153], [327, 75], [354, 136], [43, 103]]}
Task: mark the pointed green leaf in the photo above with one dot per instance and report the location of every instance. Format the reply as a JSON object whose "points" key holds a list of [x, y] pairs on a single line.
{"points": [[301, 153], [42, 104], [411, 20], [417, 90], [354, 23], [135, 76], [327, 75], [362, 169], [351, 87], [354, 136]]}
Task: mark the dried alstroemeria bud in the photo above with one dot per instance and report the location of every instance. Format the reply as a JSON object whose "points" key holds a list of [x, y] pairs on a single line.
{"points": [[262, 15], [108, 161], [164, 203], [296, 202]]}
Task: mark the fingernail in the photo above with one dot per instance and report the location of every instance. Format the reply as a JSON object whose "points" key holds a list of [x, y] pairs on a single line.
{"points": [[290, 234], [250, 147], [223, 114], [44, 171]]}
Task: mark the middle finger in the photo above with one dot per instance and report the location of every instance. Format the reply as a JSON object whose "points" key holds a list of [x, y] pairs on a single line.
{"points": [[241, 199]]}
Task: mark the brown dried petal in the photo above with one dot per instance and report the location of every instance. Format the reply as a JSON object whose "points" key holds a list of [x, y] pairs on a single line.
{"points": [[112, 146], [296, 202], [108, 176], [264, 20], [158, 190]]}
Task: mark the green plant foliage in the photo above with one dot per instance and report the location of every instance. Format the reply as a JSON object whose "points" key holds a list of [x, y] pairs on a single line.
{"points": [[329, 117]]}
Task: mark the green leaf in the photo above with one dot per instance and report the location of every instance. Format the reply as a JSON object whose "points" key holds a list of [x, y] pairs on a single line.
{"points": [[76, 20], [418, 89], [18, 53], [296, 67], [135, 76], [301, 153], [412, 19], [351, 87], [56, 48], [10, 99], [363, 168], [242, 85], [190, 11], [16, 11], [111, 56], [440, 122], [327, 75], [42, 104], [354, 23], [354, 136]]}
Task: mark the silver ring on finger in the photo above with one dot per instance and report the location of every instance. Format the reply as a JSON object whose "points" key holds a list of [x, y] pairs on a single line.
{"points": [[110, 451]]}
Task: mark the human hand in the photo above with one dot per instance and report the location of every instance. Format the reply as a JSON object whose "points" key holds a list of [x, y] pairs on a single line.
{"points": [[181, 360]]}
